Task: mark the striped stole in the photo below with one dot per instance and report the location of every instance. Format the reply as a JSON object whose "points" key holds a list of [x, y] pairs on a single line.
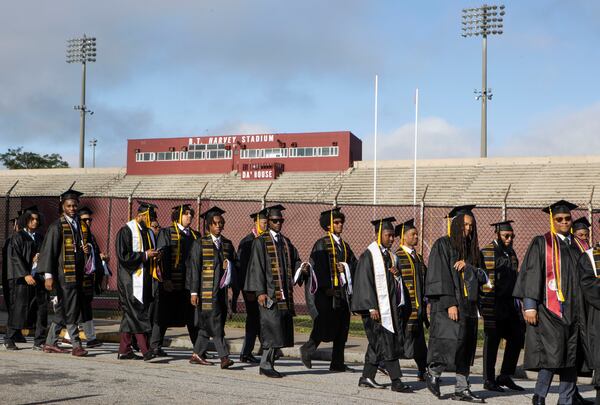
{"points": [[68, 252], [407, 267], [488, 296], [333, 260], [177, 273], [88, 279], [596, 255], [208, 268], [284, 299]]}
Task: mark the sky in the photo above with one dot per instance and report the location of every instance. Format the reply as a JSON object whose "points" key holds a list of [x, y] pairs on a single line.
{"points": [[217, 67]]}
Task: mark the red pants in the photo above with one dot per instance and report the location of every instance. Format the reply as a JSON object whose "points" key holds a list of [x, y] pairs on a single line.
{"points": [[125, 343]]}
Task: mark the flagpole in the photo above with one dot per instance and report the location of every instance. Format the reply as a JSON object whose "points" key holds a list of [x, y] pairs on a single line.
{"points": [[375, 151], [415, 158]]}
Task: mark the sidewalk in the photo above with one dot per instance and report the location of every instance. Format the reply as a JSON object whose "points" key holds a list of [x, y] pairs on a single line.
{"points": [[107, 330]]}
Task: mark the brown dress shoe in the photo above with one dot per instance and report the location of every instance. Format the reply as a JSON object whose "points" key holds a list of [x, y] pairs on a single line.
{"points": [[79, 351], [226, 362], [54, 349], [195, 359]]}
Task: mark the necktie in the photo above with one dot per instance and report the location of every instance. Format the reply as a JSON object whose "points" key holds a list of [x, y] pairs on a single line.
{"points": [[218, 243], [186, 231]]}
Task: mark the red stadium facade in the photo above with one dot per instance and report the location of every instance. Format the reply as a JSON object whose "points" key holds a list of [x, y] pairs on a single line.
{"points": [[256, 157]]}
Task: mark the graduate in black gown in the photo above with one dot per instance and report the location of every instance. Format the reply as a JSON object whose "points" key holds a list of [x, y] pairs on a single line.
{"points": [[454, 276], [28, 296], [13, 222], [274, 263], [380, 298], [413, 270], [137, 278], [252, 326], [62, 259], [174, 308], [589, 277], [548, 284], [333, 263], [210, 270], [581, 233], [502, 315]]}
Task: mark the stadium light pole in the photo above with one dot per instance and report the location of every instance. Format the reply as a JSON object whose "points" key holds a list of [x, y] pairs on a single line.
{"points": [[483, 21], [82, 50], [93, 143]]}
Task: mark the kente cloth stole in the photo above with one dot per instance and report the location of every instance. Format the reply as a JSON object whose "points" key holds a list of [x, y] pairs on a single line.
{"points": [[68, 252], [488, 295], [177, 276], [284, 299], [333, 259], [208, 268], [553, 286], [407, 268]]}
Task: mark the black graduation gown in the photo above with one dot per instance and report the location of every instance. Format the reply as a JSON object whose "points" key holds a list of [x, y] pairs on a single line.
{"points": [[136, 315], [590, 287], [20, 253], [92, 282], [414, 338], [276, 324], [212, 321], [5, 289], [444, 287], [51, 260], [174, 308], [553, 342], [383, 344], [243, 253], [330, 318]]}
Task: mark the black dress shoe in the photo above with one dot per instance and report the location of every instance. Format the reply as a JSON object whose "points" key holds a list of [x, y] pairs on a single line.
{"points": [[537, 400], [369, 383], [10, 346], [579, 400], [492, 386], [159, 352], [467, 396], [20, 339], [278, 354], [149, 355], [249, 358], [340, 369], [505, 380], [93, 343], [269, 373], [305, 357], [433, 384], [399, 386], [129, 356]]}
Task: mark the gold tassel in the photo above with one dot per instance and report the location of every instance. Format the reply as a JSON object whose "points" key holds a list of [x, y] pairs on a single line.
{"points": [[379, 233], [333, 252], [555, 248]]}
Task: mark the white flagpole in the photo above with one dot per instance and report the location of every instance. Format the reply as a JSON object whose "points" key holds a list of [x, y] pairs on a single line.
{"points": [[416, 139], [375, 151]]}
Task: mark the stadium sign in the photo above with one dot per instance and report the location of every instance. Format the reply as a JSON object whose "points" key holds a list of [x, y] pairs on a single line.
{"points": [[228, 140]]}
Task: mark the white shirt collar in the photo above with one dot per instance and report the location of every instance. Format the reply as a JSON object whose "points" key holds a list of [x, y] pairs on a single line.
{"points": [[274, 235], [336, 238], [181, 228], [214, 238], [70, 220], [407, 249], [563, 237]]}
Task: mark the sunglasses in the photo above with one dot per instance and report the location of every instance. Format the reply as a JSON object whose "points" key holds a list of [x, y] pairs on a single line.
{"points": [[338, 222], [155, 226], [276, 220], [85, 219], [562, 219], [507, 236]]}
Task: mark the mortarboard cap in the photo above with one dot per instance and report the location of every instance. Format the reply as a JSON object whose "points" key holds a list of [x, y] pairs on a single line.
{"points": [[146, 206], [325, 218], [211, 212], [461, 210], [581, 223], [560, 207], [262, 214], [503, 226], [385, 223], [182, 207], [408, 225], [70, 194], [275, 210], [33, 208], [85, 210]]}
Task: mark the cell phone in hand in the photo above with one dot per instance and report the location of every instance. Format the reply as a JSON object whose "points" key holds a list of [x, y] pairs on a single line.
{"points": [[269, 303]]}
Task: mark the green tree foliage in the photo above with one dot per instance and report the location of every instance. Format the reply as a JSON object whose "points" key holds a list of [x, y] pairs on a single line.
{"points": [[17, 159]]}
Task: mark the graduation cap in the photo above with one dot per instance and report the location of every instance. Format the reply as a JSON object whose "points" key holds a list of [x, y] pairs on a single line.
{"points": [[146, 206], [461, 210], [503, 226], [401, 229], [211, 212], [262, 214], [384, 224], [33, 208], [581, 223], [85, 210], [327, 217], [71, 194], [560, 207], [182, 208], [275, 211]]}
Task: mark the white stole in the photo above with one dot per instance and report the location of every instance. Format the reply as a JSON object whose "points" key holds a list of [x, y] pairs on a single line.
{"points": [[383, 297], [590, 253], [138, 247]]}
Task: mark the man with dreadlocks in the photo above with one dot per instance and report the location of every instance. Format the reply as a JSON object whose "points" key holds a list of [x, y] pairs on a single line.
{"points": [[210, 268], [413, 270], [548, 284], [138, 275], [260, 222], [452, 287], [328, 297], [173, 308], [502, 317], [272, 261]]}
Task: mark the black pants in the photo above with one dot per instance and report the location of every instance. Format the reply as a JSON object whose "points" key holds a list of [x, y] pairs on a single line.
{"points": [[566, 388], [514, 332], [158, 334], [391, 366], [252, 325], [39, 304], [337, 354]]}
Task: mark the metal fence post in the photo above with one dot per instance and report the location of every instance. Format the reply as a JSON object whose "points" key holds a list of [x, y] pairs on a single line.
{"points": [[199, 205], [591, 216], [7, 209], [422, 214], [264, 197], [504, 203]]}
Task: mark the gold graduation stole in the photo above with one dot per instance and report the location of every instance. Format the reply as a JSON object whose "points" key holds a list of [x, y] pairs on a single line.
{"points": [[407, 267], [88, 279], [333, 260], [488, 296], [208, 268], [283, 302], [177, 276], [68, 252]]}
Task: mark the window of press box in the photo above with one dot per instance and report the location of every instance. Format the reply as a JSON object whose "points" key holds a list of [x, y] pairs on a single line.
{"points": [[166, 156], [144, 156]]}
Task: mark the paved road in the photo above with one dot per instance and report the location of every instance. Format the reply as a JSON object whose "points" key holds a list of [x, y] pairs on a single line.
{"points": [[28, 377]]}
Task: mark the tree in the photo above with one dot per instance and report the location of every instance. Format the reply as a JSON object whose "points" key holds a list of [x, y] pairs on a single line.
{"points": [[17, 159]]}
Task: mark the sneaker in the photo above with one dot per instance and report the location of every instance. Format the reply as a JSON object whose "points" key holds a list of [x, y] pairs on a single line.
{"points": [[93, 343]]}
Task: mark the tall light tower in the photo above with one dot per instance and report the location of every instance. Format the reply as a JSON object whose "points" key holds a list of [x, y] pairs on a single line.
{"points": [[485, 20], [93, 143], [82, 50]]}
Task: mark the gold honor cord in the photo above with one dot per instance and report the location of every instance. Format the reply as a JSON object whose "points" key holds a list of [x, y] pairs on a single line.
{"points": [[178, 236], [258, 230], [153, 265], [379, 233], [333, 252], [555, 254], [414, 271]]}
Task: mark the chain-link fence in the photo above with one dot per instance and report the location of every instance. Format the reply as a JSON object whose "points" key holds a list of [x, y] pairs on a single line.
{"points": [[301, 226]]}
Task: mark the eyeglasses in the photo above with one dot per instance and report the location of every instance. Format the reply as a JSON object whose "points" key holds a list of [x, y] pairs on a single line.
{"points": [[155, 226], [507, 236], [562, 219], [276, 220]]}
